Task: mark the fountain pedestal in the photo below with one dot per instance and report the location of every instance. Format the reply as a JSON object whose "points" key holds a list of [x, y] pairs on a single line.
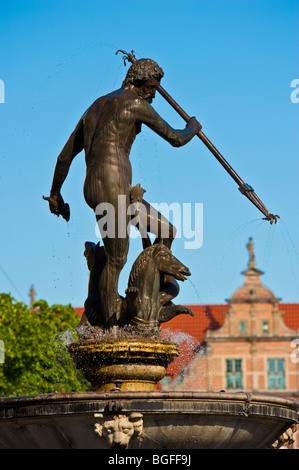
{"points": [[128, 365]]}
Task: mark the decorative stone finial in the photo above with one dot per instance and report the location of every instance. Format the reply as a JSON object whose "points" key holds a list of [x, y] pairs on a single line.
{"points": [[32, 295]]}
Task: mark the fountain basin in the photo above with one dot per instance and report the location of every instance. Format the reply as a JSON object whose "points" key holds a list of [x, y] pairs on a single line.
{"points": [[145, 420], [127, 365]]}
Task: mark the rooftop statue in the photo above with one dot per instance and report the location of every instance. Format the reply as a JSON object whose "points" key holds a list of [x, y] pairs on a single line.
{"points": [[251, 252]]}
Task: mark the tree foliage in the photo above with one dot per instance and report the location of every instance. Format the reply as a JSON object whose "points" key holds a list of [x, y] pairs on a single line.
{"points": [[35, 357]]}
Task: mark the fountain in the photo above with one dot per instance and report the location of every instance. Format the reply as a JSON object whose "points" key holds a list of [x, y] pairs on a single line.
{"points": [[119, 347]]}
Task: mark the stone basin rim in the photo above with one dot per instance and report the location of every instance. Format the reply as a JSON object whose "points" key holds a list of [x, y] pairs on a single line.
{"points": [[119, 347], [66, 415], [61, 397]]}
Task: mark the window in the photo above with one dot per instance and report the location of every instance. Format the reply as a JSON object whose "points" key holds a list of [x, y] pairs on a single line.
{"points": [[166, 379], [265, 326], [234, 373], [276, 373], [242, 327]]}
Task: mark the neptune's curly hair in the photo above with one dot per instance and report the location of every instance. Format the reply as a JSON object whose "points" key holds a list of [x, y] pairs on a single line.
{"points": [[142, 70]]}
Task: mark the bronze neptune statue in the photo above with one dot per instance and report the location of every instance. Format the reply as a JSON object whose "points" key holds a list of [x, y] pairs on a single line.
{"points": [[120, 345], [106, 132]]}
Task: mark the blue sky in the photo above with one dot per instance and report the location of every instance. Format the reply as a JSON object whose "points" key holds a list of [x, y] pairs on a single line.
{"points": [[230, 63]]}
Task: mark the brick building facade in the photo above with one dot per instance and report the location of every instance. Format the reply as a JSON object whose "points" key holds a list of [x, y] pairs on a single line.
{"points": [[250, 343]]}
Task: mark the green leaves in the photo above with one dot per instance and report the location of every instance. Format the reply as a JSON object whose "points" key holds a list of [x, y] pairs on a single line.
{"points": [[35, 341]]}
